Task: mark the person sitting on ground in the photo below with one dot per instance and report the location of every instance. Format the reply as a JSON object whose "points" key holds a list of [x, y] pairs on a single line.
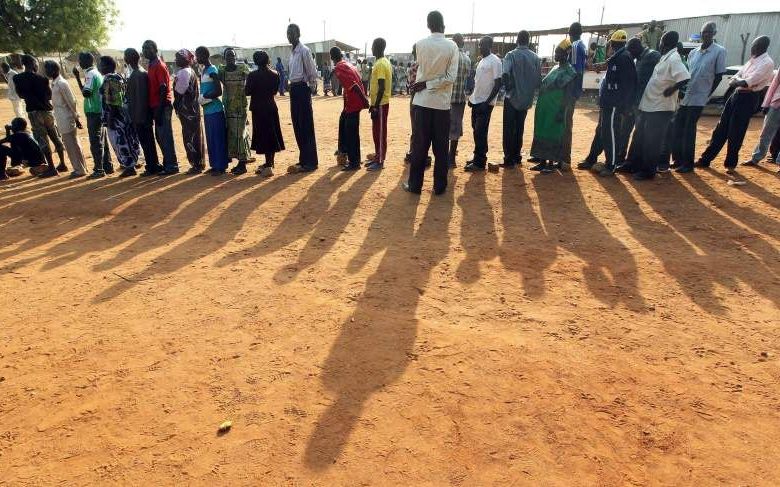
{"points": [[20, 146]]}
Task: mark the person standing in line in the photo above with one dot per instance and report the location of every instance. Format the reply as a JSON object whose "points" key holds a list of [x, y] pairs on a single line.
{"points": [[616, 99], [213, 113], [381, 84], [327, 74], [771, 128], [707, 65], [137, 95], [365, 74], [93, 110], [437, 59], [487, 84], [13, 97], [282, 76], [412, 79], [458, 99], [749, 82], [186, 91], [34, 89], [261, 85], [522, 73], [355, 100], [400, 74], [646, 59], [651, 36], [552, 124], [161, 106], [302, 72], [117, 119], [66, 116], [659, 102], [233, 77]]}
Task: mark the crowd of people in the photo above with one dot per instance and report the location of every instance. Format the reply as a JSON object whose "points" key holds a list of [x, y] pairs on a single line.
{"points": [[650, 102]]}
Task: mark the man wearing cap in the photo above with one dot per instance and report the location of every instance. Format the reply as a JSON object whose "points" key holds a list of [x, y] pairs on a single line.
{"points": [[616, 98], [749, 82]]}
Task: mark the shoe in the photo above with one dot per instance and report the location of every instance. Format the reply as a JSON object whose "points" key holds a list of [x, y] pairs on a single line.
{"points": [[350, 167], [643, 176], [75, 175], [96, 175], [751, 163], [265, 171], [701, 164], [564, 167], [508, 165], [109, 169], [127, 172], [49, 173], [731, 171], [474, 167], [62, 167], [585, 165], [539, 167], [151, 171], [375, 166], [534, 159], [194, 170], [547, 169], [405, 186], [370, 158], [606, 172], [298, 168], [684, 169], [171, 172], [238, 170]]}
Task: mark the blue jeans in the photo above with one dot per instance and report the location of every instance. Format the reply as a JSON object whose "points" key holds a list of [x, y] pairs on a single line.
{"points": [[163, 132]]}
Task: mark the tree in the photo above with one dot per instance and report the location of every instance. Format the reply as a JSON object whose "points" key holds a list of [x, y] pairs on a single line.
{"points": [[46, 26]]}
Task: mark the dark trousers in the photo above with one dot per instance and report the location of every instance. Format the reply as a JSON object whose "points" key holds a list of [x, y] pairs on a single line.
{"points": [[615, 126], [146, 138], [774, 148], [514, 127], [429, 128], [624, 124], [683, 139], [349, 136], [379, 131], [651, 130], [480, 124], [163, 132], [98, 143], [731, 128], [303, 124]]}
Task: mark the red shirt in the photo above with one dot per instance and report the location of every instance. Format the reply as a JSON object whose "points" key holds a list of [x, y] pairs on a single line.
{"points": [[158, 75], [348, 77]]}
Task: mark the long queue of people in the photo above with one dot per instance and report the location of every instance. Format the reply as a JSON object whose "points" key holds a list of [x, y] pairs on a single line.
{"points": [[650, 93]]}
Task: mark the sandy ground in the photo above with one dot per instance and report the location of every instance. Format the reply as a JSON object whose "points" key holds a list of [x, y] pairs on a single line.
{"points": [[521, 330]]}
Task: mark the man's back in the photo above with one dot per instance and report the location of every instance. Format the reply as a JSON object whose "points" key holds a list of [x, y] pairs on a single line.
{"points": [[437, 60], [525, 74], [35, 91], [138, 96]]}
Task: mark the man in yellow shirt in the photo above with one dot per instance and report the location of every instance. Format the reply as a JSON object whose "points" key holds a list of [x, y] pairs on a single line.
{"points": [[380, 91]]}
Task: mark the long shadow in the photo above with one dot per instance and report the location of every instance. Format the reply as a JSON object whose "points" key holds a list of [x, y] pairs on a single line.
{"points": [[329, 228], [610, 271], [96, 203], [478, 229], [730, 254], [374, 346], [213, 238], [526, 247], [299, 221]]}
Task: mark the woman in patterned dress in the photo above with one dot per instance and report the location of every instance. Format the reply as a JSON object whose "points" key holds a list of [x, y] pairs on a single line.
{"points": [[116, 118], [233, 77]]}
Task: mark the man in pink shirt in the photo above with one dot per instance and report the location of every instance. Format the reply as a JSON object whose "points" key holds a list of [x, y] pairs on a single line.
{"points": [[749, 82], [771, 128]]}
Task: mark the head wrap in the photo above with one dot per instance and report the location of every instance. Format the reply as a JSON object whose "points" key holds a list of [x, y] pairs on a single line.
{"points": [[619, 36], [565, 44], [187, 55]]}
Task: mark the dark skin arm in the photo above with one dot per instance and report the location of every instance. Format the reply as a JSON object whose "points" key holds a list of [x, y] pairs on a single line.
{"points": [[380, 93], [217, 91], [356, 89], [673, 89], [85, 93], [496, 88], [419, 86], [716, 82]]}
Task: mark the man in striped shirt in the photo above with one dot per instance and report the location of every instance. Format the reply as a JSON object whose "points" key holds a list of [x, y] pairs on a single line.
{"points": [[458, 100]]}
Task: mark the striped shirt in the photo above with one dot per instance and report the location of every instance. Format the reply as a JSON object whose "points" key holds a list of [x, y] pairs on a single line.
{"points": [[459, 88]]}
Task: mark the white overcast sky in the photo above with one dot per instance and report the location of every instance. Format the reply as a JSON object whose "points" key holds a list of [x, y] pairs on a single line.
{"points": [[188, 23]]}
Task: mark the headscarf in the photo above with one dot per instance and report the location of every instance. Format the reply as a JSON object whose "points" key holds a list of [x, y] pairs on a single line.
{"points": [[565, 44], [187, 55]]}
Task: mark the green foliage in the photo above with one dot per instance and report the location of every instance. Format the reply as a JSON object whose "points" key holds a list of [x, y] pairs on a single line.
{"points": [[47, 26]]}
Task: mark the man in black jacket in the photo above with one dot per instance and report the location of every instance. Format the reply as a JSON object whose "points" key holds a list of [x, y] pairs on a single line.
{"points": [[617, 96]]}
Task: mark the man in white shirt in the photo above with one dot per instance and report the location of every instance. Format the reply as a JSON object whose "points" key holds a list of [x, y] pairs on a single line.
{"points": [[16, 102], [749, 82], [66, 116], [487, 84], [657, 107], [302, 72], [437, 59]]}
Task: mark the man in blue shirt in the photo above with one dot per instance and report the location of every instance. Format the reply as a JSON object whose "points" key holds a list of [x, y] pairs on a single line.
{"points": [[522, 75]]}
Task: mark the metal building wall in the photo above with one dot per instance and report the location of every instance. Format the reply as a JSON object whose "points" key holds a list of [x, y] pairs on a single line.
{"points": [[730, 27]]}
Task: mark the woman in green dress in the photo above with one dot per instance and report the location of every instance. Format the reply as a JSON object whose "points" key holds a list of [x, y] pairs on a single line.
{"points": [[233, 77], [552, 117]]}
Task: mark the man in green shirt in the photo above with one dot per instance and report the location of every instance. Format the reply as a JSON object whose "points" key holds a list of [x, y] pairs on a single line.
{"points": [[93, 109]]}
